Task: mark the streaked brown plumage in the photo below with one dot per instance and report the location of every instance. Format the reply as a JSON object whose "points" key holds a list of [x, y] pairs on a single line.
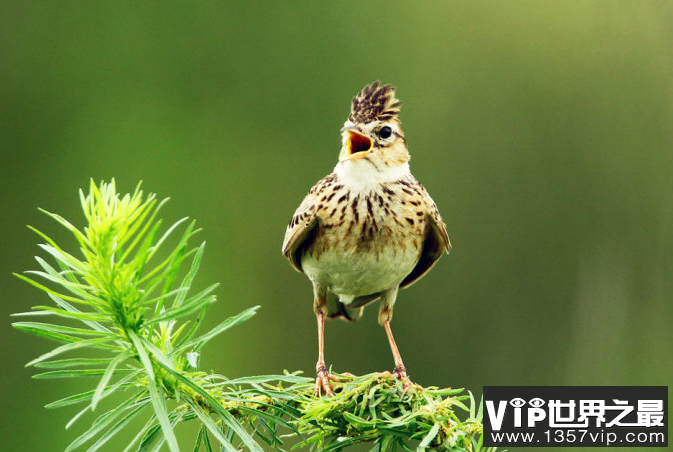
{"points": [[368, 228]]}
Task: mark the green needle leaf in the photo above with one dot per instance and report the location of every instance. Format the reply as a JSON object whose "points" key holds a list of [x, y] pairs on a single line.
{"points": [[106, 378], [72, 362], [56, 332], [429, 437], [76, 373], [227, 418], [102, 422], [156, 395], [123, 422], [213, 428], [69, 347], [189, 278], [197, 343]]}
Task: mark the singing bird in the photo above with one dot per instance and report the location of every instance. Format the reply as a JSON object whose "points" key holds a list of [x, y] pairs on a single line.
{"points": [[369, 228]]}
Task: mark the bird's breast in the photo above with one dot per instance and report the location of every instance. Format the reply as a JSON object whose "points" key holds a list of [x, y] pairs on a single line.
{"points": [[365, 243]]}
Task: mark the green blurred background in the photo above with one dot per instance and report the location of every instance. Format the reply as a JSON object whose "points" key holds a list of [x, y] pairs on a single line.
{"points": [[543, 130]]}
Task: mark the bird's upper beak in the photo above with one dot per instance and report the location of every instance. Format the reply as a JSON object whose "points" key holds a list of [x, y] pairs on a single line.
{"points": [[357, 145]]}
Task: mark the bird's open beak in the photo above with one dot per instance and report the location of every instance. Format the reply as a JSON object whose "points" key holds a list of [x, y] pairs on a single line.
{"points": [[358, 145]]}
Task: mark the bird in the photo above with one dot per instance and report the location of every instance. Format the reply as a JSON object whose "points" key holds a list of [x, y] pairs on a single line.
{"points": [[367, 229]]}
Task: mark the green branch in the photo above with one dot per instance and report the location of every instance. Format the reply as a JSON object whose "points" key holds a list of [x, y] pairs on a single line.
{"points": [[120, 295]]}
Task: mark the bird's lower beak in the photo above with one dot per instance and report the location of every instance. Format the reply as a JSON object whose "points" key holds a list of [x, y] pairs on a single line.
{"points": [[358, 145]]}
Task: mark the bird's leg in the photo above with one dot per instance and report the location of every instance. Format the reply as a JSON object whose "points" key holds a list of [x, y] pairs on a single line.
{"points": [[385, 316], [400, 371], [323, 377]]}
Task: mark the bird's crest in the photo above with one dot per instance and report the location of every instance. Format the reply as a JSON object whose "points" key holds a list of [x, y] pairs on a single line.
{"points": [[375, 102]]}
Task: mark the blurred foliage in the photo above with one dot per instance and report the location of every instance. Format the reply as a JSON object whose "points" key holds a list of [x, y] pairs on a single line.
{"points": [[542, 130]]}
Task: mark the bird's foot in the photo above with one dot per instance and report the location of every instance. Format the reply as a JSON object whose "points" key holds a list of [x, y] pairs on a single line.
{"points": [[322, 382], [401, 373]]}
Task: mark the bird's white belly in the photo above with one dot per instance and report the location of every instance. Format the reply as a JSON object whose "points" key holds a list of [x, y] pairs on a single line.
{"points": [[349, 273]]}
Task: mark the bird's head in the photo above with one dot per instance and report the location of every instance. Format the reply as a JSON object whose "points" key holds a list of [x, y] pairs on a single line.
{"points": [[372, 135]]}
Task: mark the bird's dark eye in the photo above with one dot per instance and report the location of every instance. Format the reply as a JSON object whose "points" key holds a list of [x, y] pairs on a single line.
{"points": [[385, 132]]}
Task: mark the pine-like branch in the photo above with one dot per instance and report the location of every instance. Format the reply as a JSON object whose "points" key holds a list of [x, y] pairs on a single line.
{"points": [[120, 295]]}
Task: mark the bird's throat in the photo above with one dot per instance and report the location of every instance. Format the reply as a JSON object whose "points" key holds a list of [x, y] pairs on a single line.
{"points": [[363, 176]]}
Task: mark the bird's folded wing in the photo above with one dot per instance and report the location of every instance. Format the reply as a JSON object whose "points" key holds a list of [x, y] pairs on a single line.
{"points": [[435, 244], [300, 231]]}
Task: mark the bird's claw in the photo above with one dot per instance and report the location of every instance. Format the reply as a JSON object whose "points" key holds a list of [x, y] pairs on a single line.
{"points": [[401, 374], [322, 382]]}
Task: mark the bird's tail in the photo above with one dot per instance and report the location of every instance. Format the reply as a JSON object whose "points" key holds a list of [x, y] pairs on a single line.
{"points": [[353, 310], [339, 310]]}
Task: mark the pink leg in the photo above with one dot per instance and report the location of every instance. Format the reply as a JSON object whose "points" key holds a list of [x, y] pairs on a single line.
{"points": [[400, 371], [323, 378]]}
